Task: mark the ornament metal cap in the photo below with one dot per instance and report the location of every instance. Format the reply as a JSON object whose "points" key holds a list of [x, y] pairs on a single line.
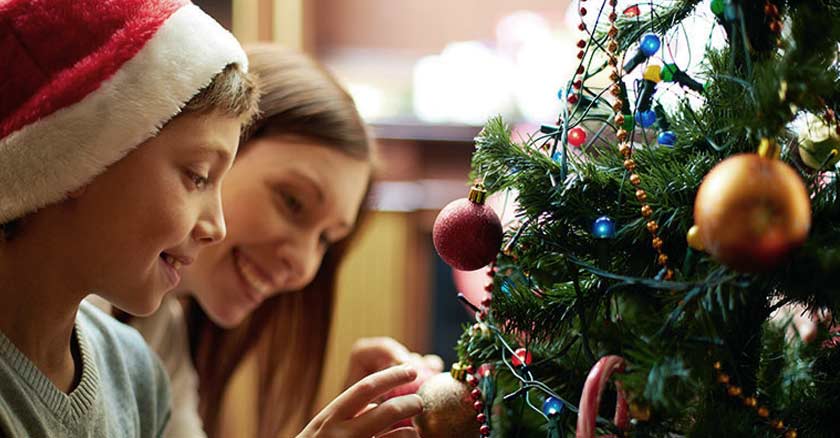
{"points": [[768, 148], [477, 193]]}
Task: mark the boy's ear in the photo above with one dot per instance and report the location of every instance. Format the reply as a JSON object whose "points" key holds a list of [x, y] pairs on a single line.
{"points": [[76, 194]]}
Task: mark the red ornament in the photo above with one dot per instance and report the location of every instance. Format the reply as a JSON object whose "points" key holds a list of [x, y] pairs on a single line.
{"points": [[521, 355], [576, 137], [468, 234], [632, 11]]}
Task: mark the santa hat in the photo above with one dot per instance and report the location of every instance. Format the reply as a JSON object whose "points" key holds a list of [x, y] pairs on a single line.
{"points": [[86, 81]]}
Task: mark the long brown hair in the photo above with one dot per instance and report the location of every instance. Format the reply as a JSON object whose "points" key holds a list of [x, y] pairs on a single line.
{"points": [[299, 97]]}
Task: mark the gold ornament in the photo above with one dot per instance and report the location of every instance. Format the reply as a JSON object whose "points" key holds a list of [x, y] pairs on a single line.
{"points": [[693, 238], [447, 409], [752, 212], [458, 371], [640, 412]]}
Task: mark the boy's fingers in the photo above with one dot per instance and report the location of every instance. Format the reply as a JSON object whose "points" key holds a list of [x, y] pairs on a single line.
{"points": [[355, 398], [403, 432], [387, 414]]}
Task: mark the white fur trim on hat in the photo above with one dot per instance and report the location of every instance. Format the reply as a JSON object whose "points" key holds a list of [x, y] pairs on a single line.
{"points": [[43, 161]]}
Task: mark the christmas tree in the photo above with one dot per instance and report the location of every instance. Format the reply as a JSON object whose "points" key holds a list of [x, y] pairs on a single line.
{"points": [[638, 292]]}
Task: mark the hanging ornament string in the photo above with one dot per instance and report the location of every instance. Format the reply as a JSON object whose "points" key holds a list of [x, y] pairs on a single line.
{"points": [[751, 402], [626, 149]]}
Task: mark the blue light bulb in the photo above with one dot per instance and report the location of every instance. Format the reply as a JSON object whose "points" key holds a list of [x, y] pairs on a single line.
{"points": [[650, 44], [667, 138], [646, 118], [557, 156], [552, 406], [603, 228]]}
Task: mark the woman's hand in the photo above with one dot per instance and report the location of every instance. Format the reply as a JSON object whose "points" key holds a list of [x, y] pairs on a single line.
{"points": [[370, 355], [353, 415], [803, 322]]}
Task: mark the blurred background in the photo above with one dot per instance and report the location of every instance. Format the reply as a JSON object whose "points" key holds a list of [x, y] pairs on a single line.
{"points": [[426, 74]]}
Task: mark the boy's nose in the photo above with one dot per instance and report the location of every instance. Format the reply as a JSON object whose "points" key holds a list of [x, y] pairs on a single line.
{"points": [[211, 227]]}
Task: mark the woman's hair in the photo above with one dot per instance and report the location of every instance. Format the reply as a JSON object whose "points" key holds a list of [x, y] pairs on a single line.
{"points": [[289, 331]]}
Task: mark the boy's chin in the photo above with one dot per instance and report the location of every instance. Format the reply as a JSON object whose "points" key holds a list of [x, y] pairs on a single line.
{"points": [[145, 306]]}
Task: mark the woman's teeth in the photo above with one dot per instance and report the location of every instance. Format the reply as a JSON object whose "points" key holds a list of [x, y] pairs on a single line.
{"points": [[252, 275]]}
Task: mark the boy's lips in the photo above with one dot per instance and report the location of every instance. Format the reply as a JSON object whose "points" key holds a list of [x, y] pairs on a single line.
{"points": [[176, 260]]}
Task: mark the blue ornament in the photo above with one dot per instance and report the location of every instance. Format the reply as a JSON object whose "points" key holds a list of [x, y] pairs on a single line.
{"points": [[603, 228], [646, 118], [507, 286], [557, 156], [667, 138], [552, 406], [650, 44], [568, 92]]}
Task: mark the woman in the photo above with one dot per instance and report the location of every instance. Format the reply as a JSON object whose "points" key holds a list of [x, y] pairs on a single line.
{"points": [[291, 202]]}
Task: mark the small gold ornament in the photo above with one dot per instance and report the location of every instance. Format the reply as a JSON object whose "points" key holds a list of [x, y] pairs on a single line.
{"points": [[640, 412], [693, 238]]}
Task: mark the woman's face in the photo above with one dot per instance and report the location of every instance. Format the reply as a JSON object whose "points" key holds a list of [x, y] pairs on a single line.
{"points": [[286, 200]]}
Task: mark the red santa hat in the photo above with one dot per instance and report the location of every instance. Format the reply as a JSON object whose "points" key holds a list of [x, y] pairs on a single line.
{"points": [[86, 81]]}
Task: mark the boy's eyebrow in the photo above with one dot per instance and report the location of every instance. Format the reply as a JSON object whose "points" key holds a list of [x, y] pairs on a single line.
{"points": [[214, 148]]}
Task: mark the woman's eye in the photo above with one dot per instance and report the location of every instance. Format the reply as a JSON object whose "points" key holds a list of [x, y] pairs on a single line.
{"points": [[325, 242], [199, 181]]}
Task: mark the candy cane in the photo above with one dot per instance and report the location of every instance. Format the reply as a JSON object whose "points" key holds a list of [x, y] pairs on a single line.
{"points": [[590, 399]]}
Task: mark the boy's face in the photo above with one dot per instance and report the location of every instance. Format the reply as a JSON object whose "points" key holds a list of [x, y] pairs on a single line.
{"points": [[150, 213]]}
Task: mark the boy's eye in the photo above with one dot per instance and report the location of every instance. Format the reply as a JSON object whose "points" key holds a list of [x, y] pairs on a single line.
{"points": [[292, 203], [199, 181]]}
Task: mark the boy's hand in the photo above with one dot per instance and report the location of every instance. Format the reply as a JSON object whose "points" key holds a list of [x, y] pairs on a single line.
{"points": [[353, 415]]}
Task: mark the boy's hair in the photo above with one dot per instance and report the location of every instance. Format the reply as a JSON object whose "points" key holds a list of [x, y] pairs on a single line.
{"points": [[90, 80], [233, 92]]}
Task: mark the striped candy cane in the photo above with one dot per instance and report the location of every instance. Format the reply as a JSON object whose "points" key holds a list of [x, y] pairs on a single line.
{"points": [[590, 399]]}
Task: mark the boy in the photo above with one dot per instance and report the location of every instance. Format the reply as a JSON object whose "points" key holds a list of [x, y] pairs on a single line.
{"points": [[118, 120]]}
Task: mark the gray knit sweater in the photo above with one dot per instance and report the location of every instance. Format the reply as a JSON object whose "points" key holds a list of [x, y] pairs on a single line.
{"points": [[123, 391]]}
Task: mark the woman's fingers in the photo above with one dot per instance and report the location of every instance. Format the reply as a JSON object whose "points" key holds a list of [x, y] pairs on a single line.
{"points": [[805, 326], [382, 417], [357, 397]]}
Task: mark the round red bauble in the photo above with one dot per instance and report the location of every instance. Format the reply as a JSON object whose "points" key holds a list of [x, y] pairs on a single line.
{"points": [[467, 234], [576, 137], [751, 212], [521, 356]]}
